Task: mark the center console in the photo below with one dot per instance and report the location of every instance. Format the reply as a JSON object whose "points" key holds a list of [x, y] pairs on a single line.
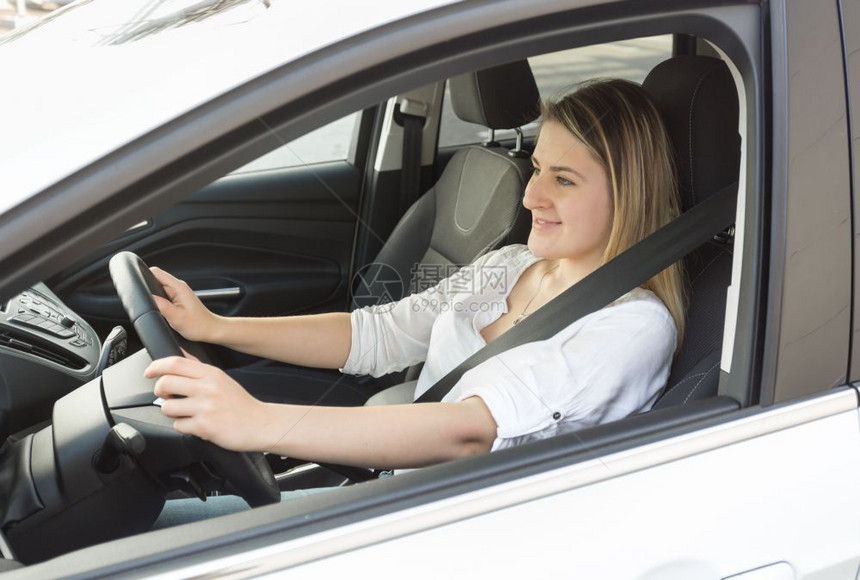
{"points": [[46, 350]]}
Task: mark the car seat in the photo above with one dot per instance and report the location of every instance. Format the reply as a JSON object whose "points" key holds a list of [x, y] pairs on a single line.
{"points": [[476, 205], [699, 103]]}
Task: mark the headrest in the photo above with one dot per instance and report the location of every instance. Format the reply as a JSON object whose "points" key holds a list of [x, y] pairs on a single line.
{"points": [[699, 103], [502, 97]]}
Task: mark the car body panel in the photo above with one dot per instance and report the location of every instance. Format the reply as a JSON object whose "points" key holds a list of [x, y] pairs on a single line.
{"points": [[851, 50], [578, 532], [109, 47], [710, 495], [561, 521], [812, 336]]}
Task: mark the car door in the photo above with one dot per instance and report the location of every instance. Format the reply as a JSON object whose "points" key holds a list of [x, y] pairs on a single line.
{"points": [[757, 483], [763, 493], [709, 491], [273, 237]]}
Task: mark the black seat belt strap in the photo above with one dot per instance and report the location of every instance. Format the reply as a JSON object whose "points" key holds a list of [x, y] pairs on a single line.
{"points": [[630, 269]]}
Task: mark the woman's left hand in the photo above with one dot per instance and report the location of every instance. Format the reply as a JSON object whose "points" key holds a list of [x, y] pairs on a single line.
{"points": [[204, 401]]}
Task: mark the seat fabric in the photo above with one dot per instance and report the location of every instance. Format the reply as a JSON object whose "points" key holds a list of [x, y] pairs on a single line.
{"points": [[698, 100], [475, 206]]}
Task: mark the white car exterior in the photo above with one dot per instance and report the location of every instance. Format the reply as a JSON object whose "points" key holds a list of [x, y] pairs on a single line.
{"points": [[766, 492]]}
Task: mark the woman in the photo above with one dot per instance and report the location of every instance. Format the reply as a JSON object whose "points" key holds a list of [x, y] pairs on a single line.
{"points": [[602, 181]]}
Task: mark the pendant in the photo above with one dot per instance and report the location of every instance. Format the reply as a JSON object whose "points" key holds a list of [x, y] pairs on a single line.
{"points": [[518, 318]]}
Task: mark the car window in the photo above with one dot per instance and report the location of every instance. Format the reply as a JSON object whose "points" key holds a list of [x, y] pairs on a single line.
{"points": [[328, 143], [558, 72]]}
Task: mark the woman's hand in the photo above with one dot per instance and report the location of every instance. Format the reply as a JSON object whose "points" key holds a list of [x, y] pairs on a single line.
{"points": [[204, 401], [185, 313]]}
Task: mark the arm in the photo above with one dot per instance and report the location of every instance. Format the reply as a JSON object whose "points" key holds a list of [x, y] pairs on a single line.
{"points": [[321, 340], [388, 337], [216, 408]]}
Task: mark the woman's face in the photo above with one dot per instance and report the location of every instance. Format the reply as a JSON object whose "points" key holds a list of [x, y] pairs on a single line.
{"points": [[570, 201]]}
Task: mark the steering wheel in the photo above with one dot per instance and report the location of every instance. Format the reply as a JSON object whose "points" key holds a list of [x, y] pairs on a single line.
{"points": [[249, 474]]}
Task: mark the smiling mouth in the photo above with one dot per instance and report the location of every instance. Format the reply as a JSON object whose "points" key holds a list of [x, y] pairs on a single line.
{"points": [[541, 223]]}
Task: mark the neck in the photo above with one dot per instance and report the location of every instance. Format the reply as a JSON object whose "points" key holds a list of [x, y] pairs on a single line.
{"points": [[565, 272]]}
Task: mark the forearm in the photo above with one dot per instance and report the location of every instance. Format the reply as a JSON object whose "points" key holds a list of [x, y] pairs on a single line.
{"points": [[204, 401], [397, 436], [318, 340]]}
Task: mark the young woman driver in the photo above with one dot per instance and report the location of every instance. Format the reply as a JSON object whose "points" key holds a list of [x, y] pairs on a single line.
{"points": [[603, 179]]}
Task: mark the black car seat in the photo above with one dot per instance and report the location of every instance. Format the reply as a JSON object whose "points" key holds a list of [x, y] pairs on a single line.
{"points": [[697, 98], [699, 103], [476, 205]]}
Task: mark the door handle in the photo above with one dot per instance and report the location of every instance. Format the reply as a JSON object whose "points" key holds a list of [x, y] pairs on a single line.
{"points": [[219, 293], [778, 571]]}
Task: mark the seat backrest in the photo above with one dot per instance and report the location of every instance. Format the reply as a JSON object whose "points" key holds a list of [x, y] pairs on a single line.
{"points": [[475, 206], [699, 103]]}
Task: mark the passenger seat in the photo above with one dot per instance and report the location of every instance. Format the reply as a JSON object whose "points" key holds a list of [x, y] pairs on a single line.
{"points": [[476, 205]]}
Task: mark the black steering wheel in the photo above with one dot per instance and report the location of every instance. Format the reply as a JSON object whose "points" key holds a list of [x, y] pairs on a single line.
{"points": [[249, 474]]}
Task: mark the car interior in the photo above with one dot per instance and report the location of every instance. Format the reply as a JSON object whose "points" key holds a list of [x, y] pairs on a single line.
{"points": [[277, 239]]}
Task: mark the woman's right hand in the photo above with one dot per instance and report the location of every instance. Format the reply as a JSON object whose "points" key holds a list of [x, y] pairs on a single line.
{"points": [[185, 313]]}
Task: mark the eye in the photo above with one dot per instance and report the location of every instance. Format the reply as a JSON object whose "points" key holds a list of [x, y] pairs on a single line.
{"points": [[564, 181], [535, 171]]}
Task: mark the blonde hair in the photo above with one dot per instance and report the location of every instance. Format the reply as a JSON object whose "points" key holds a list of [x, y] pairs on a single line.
{"points": [[616, 120]]}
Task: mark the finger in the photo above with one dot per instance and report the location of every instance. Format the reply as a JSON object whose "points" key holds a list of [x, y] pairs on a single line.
{"points": [[163, 304], [178, 408], [175, 365], [169, 282], [171, 386], [163, 276], [185, 425]]}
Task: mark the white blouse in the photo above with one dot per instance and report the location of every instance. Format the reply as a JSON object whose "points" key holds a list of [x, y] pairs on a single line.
{"points": [[605, 366]]}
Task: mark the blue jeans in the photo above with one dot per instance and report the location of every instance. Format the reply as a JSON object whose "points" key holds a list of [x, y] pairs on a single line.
{"points": [[187, 510]]}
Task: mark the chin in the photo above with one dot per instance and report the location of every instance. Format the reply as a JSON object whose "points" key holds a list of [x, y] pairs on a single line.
{"points": [[548, 250], [542, 250]]}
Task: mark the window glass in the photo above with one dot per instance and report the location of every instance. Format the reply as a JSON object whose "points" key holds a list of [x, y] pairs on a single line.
{"points": [[559, 72], [328, 143]]}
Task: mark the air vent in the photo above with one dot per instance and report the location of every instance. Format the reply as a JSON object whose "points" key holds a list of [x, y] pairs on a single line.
{"points": [[24, 342]]}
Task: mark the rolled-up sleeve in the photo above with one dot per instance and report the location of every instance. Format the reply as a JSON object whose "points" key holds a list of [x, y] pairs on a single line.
{"points": [[611, 366], [390, 337]]}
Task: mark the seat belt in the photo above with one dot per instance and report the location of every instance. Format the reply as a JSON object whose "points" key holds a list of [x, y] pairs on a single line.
{"points": [[413, 125], [630, 269]]}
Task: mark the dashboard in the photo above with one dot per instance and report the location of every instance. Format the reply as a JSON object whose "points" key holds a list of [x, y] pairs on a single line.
{"points": [[46, 351]]}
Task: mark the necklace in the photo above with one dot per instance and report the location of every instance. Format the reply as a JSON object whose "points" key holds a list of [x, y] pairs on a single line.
{"points": [[537, 291]]}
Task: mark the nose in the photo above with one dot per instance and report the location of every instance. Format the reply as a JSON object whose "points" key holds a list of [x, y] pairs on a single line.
{"points": [[534, 196]]}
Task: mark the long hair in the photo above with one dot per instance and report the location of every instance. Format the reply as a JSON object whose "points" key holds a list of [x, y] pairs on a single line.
{"points": [[617, 122]]}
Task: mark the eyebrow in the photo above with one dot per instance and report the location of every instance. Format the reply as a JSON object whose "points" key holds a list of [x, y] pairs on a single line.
{"points": [[561, 169]]}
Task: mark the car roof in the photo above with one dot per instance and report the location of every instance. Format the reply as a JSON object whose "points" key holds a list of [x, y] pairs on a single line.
{"points": [[99, 73]]}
